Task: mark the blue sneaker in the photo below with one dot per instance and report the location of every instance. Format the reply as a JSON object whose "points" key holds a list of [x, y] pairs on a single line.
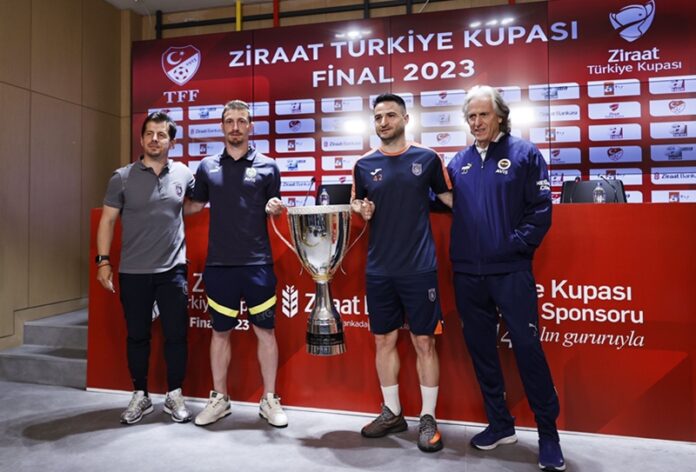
{"points": [[489, 439], [550, 455]]}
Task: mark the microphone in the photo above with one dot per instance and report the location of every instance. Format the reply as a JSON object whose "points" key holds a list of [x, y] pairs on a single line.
{"points": [[616, 194], [309, 190], [576, 183]]}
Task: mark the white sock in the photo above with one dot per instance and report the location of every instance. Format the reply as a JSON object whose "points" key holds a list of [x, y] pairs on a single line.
{"points": [[391, 398], [429, 399]]}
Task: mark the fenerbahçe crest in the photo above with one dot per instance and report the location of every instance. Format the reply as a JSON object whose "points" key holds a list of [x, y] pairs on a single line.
{"points": [[503, 166], [180, 64]]}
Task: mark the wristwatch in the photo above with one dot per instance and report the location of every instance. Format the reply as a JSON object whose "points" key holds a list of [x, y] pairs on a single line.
{"points": [[99, 259]]}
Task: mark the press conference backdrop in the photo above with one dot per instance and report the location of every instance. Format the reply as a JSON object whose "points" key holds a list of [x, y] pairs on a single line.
{"points": [[603, 87]]}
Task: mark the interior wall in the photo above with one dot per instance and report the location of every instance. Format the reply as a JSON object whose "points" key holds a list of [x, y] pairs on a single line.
{"points": [[148, 22], [60, 96]]}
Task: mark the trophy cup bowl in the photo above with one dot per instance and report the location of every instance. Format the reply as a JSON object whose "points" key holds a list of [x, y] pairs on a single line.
{"points": [[319, 237]]}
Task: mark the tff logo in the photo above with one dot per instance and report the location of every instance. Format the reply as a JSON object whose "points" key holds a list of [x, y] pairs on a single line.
{"points": [[633, 21], [180, 64]]}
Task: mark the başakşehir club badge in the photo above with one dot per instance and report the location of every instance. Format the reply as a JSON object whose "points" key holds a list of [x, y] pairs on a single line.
{"points": [[417, 168], [180, 64]]}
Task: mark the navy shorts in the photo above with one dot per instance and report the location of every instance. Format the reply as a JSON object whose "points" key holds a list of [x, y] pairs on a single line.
{"points": [[412, 299], [226, 286]]}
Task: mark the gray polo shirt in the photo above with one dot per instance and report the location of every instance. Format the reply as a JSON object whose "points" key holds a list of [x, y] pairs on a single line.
{"points": [[151, 215]]}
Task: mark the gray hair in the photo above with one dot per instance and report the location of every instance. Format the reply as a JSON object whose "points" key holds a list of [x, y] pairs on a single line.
{"points": [[501, 108]]}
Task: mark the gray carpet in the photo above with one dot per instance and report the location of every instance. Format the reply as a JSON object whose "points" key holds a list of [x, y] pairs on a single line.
{"points": [[44, 428]]}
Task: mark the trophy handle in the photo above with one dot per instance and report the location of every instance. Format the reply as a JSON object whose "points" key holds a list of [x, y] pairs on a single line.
{"points": [[353, 244], [282, 238]]}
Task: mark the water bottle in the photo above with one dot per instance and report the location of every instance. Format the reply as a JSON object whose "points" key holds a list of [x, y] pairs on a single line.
{"points": [[324, 197], [598, 195]]}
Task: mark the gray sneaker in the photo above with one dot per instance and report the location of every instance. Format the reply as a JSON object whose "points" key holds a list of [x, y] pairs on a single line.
{"points": [[139, 406], [429, 439], [218, 407], [384, 424], [174, 405]]}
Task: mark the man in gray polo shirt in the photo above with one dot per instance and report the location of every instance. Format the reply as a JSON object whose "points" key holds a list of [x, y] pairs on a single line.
{"points": [[149, 196]]}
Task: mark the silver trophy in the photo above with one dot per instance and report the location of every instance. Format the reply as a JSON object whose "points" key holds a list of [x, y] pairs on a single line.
{"points": [[319, 237]]}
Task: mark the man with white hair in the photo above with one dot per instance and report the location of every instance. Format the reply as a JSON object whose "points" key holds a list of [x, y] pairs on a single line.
{"points": [[501, 212]]}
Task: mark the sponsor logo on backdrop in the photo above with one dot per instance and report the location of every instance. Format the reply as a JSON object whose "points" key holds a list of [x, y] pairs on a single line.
{"points": [[629, 175], [557, 113], [559, 134], [619, 132], [616, 154], [633, 21], [295, 145], [338, 162], [677, 84], [685, 106], [206, 112], [343, 104], [180, 64], [294, 107], [561, 155], [563, 91], [211, 130], [443, 98], [681, 152], [295, 164], [604, 111], [673, 196], [449, 139], [613, 88], [673, 129], [337, 179], [294, 126], [673, 175], [290, 303], [341, 143], [205, 149]]}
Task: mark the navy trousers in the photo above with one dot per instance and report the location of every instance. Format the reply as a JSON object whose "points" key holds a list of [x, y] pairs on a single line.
{"points": [[479, 299], [138, 295]]}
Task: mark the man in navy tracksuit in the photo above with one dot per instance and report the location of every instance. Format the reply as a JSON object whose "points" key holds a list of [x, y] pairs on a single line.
{"points": [[501, 212]]}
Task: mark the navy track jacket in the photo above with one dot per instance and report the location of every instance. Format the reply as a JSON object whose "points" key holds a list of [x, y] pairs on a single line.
{"points": [[502, 207]]}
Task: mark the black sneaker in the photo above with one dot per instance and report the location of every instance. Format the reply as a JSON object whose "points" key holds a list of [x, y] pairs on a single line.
{"points": [[384, 424], [489, 439], [429, 439], [550, 455]]}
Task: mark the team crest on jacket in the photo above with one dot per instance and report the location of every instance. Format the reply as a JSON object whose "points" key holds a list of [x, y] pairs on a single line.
{"points": [[432, 294], [417, 168], [179, 189], [250, 174], [503, 166]]}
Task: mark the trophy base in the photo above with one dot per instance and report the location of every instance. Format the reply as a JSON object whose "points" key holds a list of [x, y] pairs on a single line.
{"points": [[325, 344]]}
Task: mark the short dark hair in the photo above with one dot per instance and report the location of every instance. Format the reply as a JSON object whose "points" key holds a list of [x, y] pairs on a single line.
{"points": [[236, 105], [390, 97], [499, 106], [160, 117]]}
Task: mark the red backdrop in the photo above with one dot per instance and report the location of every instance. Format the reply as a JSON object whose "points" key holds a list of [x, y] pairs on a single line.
{"points": [[633, 376]]}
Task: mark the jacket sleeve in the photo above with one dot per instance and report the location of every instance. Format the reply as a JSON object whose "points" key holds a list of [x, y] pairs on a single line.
{"points": [[536, 216]]}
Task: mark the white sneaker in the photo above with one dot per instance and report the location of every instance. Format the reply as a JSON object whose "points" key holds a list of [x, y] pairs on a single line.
{"points": [[218, 407], [139, 406], [270, 409], [175, 405]]}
